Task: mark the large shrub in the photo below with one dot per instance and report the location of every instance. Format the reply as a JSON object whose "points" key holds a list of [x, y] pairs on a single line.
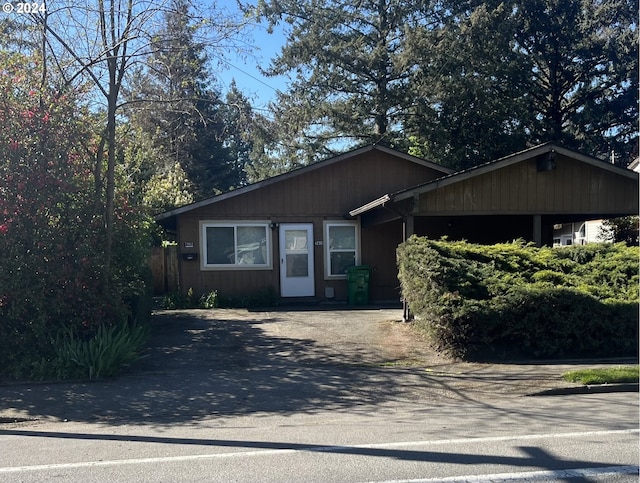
{"points": [[52, 275], [517, 301]]}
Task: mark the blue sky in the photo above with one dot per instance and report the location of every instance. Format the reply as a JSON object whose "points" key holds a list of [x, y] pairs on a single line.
{"points": [[245, 70]]}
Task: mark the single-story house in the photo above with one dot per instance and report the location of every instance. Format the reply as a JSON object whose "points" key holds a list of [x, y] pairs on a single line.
{"points": [[298, 232]]}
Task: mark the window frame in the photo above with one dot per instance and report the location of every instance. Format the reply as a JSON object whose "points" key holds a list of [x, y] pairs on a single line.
{"points": [[235, 224], [328, 251]]}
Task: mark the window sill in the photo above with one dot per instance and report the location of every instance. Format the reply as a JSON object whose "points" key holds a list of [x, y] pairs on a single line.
{"points": [[235, 268]]}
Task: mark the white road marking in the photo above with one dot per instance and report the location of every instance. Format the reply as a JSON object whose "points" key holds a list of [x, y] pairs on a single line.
{"points": [[530, 475], [311, 449]]}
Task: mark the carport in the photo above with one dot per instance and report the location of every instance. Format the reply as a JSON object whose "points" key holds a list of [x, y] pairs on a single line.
{"points": [[520, 196]]}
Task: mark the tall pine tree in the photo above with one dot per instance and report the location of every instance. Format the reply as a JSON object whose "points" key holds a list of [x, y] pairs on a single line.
{"points": [[177, 107], [462, 81], [504, 75], [584, 71], [350, 70], [470, 100]]}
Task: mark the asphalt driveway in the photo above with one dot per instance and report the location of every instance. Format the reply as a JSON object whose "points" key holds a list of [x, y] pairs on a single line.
{"points": [[227, 362]]}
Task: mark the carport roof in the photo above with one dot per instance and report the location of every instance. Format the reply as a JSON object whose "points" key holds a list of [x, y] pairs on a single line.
{"points": [[500, 163]]}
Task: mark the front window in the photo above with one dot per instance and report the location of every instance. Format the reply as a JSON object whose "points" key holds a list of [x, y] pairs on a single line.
{"points": [[236, 245], [342, 248]]}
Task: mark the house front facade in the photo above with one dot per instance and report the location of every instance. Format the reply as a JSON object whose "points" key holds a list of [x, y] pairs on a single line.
{"points": [[297, 233], [292, 233]]}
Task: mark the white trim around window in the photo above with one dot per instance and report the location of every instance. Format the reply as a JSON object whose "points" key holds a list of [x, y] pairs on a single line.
{"points": [[341, 248], [235, 245]]}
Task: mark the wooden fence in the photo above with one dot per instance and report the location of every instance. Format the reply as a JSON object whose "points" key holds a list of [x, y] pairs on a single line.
{"points": [[164, 266]]}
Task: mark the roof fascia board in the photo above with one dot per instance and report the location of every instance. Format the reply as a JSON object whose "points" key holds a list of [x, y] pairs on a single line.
{"points": [[599, 163]]}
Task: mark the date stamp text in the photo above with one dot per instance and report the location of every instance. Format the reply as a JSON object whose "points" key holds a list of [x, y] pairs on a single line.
{"points": [[24, 8]]}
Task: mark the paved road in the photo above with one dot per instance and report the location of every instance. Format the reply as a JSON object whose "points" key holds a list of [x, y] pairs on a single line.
{"points": [[312, 396], [395, 441]]}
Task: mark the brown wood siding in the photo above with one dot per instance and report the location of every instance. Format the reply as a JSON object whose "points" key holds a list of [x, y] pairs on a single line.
{"points": [[327, 193], [573, 187], [379, 252], [246, 282]]}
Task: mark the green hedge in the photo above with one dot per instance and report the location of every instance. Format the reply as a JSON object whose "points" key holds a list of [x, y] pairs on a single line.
{"points": [[514, 300]]}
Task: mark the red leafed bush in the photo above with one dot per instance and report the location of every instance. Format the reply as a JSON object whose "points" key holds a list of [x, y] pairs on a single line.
{"points": [[51, 228]]}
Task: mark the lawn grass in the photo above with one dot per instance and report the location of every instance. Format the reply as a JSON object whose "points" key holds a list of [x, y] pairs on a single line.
{"points": [[608, 375]]}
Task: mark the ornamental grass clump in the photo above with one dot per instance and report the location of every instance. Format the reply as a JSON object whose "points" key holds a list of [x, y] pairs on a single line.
{"points": [[515, 301], [104, 354]]}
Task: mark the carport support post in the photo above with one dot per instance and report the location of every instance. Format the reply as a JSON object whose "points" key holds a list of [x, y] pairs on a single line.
{"points": [[407, 231], [537, 230], [407, 227]]}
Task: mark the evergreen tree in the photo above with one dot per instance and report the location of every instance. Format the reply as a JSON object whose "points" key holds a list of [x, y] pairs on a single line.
{"points": [[351, 72], [624, 229], [238, 118], [470, 101], [584, 71], [462, 82], [180, 111], [510, 74], [251, 139]]}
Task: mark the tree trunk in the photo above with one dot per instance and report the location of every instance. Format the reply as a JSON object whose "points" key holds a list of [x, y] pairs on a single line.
{"points": [[111, 168]]}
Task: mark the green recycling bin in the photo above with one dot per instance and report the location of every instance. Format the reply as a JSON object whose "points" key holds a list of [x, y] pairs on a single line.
{"points": [[358, 280]]}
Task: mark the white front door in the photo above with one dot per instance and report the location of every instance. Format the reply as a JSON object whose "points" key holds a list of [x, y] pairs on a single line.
{"points": [[296, 260]]}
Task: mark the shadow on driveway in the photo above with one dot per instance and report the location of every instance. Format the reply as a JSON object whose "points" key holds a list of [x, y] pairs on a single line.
{"points": [[199, 366], [225, 363]]}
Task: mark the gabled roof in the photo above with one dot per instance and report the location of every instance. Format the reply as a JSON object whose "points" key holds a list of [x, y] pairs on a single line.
{"points": [[489, 167], [297, 172]]}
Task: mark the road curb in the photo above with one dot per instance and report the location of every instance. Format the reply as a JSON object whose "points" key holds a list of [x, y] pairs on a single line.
{"points": [[593, 389]]}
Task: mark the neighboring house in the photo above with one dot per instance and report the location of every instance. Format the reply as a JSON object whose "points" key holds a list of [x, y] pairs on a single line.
{"points": [[297, 233], [590, 231]]}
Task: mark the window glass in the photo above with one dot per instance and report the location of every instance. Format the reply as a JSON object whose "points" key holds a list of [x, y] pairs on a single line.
{"points": [[297, 265], [341, 248], [296, 245], [342, 237], [340, 261], [252, 243], [296, 240], [230, 245], [220, 245]]}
